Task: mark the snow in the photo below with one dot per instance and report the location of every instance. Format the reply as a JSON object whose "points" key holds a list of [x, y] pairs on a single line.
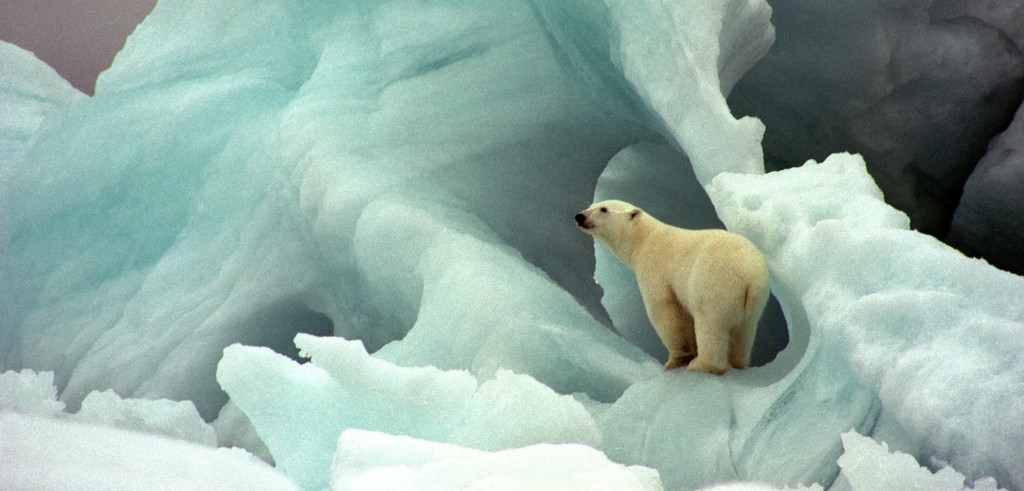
{"points": [[43, 453], [29, 392], [401, 462], [867, 464], [300, 410], [32, 393], [177, 419], [931, 332], [341, 237]]}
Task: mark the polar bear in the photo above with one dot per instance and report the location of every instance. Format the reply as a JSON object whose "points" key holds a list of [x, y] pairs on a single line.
{"points": [[704, 290]]}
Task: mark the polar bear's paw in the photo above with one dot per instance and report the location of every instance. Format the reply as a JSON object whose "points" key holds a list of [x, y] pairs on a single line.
{"points": [[676, 361], [702, 364]]}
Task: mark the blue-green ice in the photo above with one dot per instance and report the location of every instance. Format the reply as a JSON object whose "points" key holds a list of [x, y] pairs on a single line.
{"points": [[339, 235]]}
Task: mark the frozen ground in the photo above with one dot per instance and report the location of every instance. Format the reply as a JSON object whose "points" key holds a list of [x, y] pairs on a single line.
{"points": [[340, 236]]}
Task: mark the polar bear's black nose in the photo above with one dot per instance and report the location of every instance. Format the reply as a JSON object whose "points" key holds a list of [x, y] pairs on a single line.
{"points": [[580, 218]]}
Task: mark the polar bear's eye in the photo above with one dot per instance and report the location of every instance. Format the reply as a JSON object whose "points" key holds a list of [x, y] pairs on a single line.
{"points": [[604, 210]]}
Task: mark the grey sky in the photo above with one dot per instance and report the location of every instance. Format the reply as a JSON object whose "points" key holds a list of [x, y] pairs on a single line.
{"points": [[78, 38]]}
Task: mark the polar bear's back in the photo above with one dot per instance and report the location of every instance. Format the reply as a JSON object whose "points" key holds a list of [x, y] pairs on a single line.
{"points": [[714, 267], [733, 252]]}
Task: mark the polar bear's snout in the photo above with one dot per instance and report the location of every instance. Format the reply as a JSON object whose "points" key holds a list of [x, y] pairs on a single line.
{"points": [[581, 219]]}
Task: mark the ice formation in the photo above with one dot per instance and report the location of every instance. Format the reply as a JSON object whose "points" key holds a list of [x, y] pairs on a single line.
{"points": [[981, 224], [387, 189], [370, 461], [300, 410], [44, 453], [177, 419], [30, 90], [867, 464], [29, 392], [927, 331], [114, 443], [918, 88]]}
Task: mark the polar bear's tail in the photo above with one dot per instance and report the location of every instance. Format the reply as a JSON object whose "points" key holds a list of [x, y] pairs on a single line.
{"points": [[754, 298]]}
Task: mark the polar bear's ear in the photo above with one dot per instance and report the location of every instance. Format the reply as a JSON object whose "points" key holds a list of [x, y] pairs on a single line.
{"points": [[635, 213]]}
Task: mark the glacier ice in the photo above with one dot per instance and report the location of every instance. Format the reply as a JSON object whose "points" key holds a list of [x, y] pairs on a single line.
{"points": [[387, 189], [867, 464], [29, 91], [932, 333], [300, 410], [114, 443], [981, 224], [481, 306], [234, 430], [918, 88], [252, 223]]}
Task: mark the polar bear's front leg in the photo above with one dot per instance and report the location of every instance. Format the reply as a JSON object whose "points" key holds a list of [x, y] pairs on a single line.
{"points": [[675, 328]]}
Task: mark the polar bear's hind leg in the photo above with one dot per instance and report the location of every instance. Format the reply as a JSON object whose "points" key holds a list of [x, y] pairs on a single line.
{"points": [[712, 346], [754, 300], [741, 344]]}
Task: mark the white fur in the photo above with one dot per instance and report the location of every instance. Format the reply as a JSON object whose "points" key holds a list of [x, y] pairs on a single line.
{"points": [[704, 290]]}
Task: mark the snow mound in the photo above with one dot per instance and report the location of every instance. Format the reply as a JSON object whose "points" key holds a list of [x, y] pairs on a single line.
{"points": [[868, 464], [369, 460], [45, 453]]}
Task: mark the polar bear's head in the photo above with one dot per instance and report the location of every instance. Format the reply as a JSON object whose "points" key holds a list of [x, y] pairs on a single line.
{"points": [[609, 221]]}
